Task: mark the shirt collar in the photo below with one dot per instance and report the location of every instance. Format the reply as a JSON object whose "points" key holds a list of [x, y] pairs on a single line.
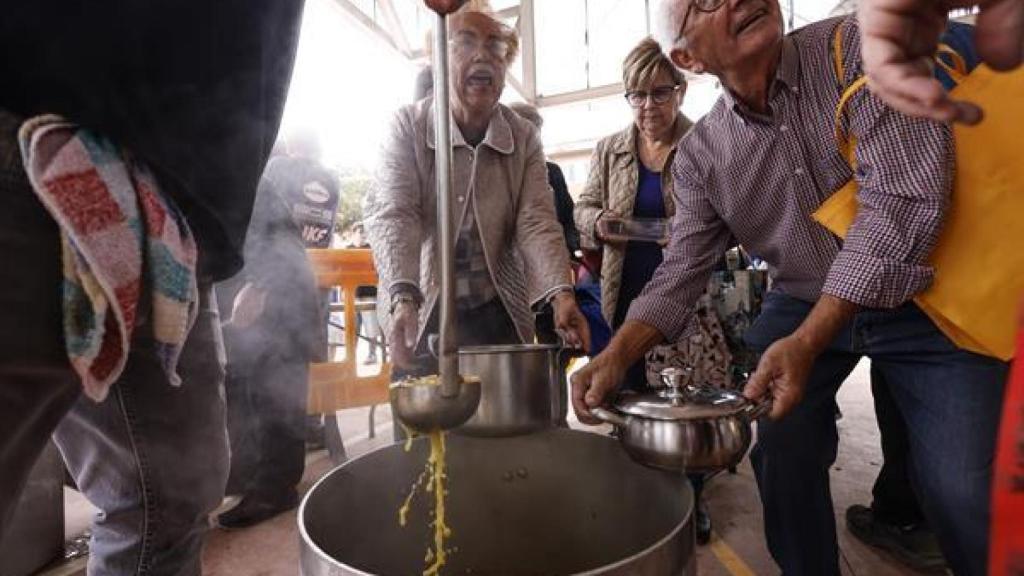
{"points": [[787, 76], [498, 137]]}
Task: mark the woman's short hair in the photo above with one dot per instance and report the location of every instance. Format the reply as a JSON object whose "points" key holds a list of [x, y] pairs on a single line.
{"points": [[528, 112], [508, 33], [644, 62]]}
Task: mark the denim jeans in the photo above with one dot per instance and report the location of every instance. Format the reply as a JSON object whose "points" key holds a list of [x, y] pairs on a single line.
{"points": [[951, 402], [894, 500], [151, 457]]}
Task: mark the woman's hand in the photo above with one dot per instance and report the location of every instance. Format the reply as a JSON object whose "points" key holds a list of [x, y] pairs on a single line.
{"points": [[604, 228], [404, 327], [570, 322]]}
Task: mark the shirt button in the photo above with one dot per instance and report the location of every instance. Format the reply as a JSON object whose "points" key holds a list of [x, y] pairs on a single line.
{"points": [[799, 171], [784, 128], [460, 198]]}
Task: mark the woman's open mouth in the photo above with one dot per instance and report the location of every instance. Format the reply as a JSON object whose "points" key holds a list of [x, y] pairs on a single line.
{"points": [[480, 79]]}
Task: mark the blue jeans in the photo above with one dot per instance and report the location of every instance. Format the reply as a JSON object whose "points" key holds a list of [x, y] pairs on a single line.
{"points": [[152, 457], [950, 399]]}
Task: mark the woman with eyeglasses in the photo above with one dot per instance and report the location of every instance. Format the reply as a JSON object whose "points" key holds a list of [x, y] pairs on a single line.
{"points": [[510, 256], [627, 200]]}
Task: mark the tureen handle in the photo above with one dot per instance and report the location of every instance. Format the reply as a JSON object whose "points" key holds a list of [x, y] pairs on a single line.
{"points": [[759, 409], [607, 416]]}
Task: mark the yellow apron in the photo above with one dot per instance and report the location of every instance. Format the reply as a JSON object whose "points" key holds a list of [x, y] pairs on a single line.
{"points": [[979, 258]]}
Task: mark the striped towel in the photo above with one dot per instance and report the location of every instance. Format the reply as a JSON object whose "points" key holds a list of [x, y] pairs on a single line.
{"points": [[121, 237]]}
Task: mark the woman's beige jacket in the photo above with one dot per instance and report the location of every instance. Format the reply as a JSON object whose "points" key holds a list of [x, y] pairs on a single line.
{"points": [[505, 177], [611, 187]]}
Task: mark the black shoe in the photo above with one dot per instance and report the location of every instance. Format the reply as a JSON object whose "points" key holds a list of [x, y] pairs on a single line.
{"points": [[914, 545], [254, 509], [703, 524]]}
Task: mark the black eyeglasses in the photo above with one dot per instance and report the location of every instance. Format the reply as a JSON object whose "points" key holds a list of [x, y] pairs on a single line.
{"points": [[660, 95], [706, 6]]}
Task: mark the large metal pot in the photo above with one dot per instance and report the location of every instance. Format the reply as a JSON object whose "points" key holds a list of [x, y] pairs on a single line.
{"points": [[555, 503], [521, 391], [685, 427]]}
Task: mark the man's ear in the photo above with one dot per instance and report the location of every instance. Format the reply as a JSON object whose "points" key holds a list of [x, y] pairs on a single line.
{"points": [[685, 59]]}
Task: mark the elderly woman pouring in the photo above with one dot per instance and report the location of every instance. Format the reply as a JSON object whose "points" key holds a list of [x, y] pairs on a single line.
{"points": [[509, 252]]}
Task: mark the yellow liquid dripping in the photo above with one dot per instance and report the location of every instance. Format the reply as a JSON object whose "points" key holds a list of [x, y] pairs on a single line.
{"points": [[435, 473], [437, 480]]}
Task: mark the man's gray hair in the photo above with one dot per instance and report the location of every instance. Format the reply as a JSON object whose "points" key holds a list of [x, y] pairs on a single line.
{"points": [[668, 16]]}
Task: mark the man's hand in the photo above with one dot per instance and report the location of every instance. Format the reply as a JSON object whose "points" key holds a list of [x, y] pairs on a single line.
{"points": [[786, 364], [592, 383], [444, 7], [248, 306], [570, 322], [404, 327], [900, 38], [782, 373]]}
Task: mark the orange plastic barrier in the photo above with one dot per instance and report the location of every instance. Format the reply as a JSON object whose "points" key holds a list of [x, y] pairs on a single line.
{"points": [[337, 385]]}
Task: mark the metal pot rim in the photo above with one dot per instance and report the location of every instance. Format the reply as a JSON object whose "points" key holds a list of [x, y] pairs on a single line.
{"points": [[507, 349], [306, 540]]}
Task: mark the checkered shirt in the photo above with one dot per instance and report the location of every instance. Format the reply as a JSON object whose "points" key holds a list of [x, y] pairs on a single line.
{"points": [[755, 179], [473, 285]]}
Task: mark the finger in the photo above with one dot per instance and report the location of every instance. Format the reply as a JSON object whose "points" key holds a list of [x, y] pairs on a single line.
{"points": [[757, 385], [1000, 34], [968, 113], [579, 388], [913, 95], [600, 385]]}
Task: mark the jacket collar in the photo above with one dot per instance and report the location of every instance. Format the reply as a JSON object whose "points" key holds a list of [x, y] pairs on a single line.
{"points": [[625, 141], [499, 131]]}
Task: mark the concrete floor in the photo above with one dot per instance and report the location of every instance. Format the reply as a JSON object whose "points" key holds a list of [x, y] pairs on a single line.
{"points": [[737, 549]]}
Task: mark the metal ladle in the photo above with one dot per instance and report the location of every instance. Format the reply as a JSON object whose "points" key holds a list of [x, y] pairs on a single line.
{"points": [[425, 408]]}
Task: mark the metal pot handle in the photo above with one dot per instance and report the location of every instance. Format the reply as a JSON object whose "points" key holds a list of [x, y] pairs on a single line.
{"points": [[755, 411], [607, 416]]}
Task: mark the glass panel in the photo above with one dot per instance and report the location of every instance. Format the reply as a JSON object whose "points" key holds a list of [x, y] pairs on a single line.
{"points": [[615, 27], [561, 29]]}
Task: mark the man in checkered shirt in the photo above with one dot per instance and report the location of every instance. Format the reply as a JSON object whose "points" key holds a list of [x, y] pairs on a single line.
{"points": [[751, 172]]}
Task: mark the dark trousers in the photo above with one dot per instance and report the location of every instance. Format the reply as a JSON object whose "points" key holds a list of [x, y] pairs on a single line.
{"points": [[152, 457], [950, 400], [894, 501]]}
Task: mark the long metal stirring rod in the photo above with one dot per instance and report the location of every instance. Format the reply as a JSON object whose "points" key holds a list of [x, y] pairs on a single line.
{"points": [[448, 349]]}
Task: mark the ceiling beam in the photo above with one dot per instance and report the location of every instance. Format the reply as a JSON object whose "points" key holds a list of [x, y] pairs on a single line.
{"points": [[394, 25], [353, 11], [580, 95]]}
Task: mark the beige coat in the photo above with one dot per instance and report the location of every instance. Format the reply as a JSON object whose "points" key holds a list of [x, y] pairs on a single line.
{"points": [[506, 178], [612, 186]]}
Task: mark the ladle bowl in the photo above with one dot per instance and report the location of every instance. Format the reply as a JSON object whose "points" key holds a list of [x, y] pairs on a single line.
{"points": [[424, 408]]}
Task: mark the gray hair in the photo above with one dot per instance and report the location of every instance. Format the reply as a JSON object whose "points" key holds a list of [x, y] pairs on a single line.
{"points": [[668, 15]]}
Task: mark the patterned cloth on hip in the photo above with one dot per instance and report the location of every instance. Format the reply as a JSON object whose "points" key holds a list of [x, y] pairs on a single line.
{"points": [[121, 238]]}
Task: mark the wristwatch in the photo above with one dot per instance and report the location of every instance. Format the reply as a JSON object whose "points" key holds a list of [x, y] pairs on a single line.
{"points": [[402, 297]]}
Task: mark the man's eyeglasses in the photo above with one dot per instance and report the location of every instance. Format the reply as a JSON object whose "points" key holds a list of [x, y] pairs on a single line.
{"points": [[660, 95], [469, 43], [706, 6]]}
